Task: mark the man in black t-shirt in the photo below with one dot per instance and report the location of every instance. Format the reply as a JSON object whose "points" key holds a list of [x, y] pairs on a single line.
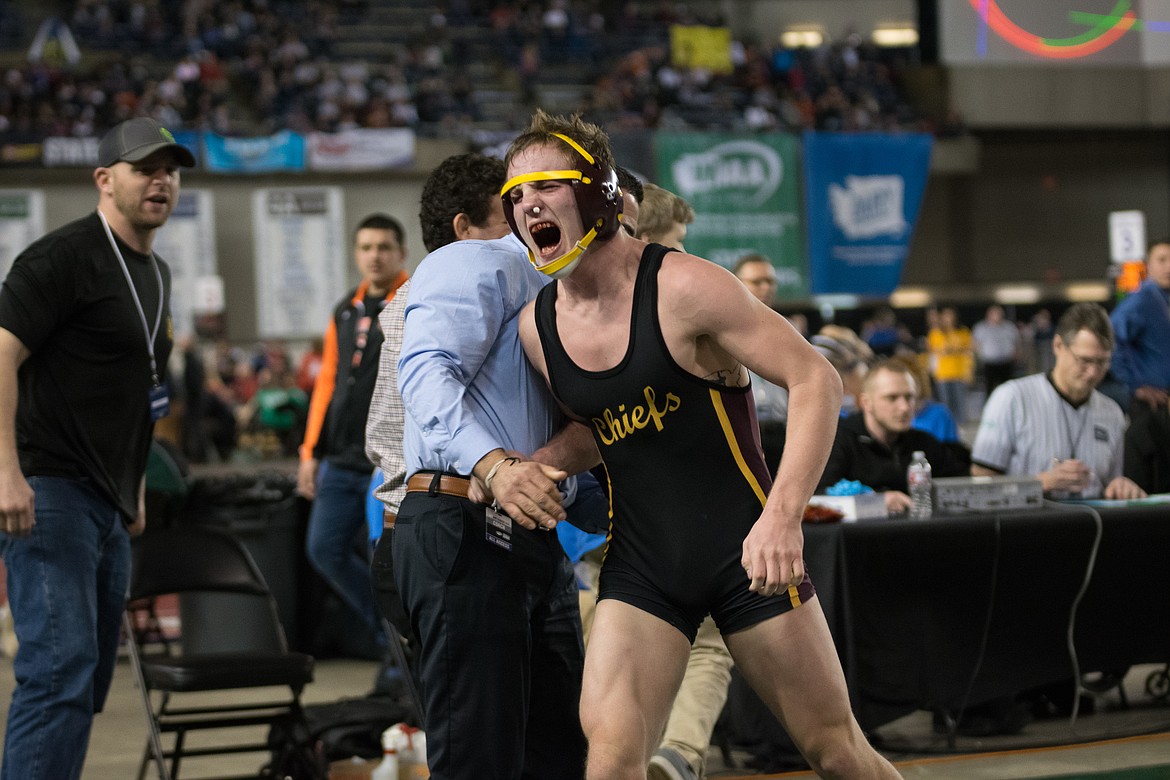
{"points": [[874, 446], [85, 333]]}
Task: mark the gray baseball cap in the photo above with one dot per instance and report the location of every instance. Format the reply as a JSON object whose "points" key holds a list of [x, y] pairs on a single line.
{"points": [[137, 139]]}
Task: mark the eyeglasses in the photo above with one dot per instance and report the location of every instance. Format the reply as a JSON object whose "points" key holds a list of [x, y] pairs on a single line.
{"points": [[1101, 363]]}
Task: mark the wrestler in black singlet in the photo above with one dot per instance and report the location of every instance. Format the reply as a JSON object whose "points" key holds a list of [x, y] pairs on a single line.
{"points": [[687, 476]]}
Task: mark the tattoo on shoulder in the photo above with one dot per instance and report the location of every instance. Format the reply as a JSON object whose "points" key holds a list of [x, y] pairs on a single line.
{"points": [[724, 376]]}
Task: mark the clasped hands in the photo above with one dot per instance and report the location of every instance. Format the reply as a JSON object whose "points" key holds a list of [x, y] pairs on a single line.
{"points": [[524, 489]]}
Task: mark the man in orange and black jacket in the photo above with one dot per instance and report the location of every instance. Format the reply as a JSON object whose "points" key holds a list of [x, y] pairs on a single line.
{"points": [[334, 472]]}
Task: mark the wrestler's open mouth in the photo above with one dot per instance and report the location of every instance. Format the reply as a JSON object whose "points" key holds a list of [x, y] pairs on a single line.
{"points": [[546, 235]]}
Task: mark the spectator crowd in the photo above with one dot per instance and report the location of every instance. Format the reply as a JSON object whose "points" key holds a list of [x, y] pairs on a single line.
{"points": [[253, 401], [250, 67]]}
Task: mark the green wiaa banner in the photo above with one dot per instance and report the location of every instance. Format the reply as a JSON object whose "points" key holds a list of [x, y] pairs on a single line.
{"points": [[746, 193]]}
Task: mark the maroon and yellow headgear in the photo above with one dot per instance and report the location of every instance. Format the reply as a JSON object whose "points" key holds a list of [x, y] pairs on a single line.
{"points": [[599, 202]]}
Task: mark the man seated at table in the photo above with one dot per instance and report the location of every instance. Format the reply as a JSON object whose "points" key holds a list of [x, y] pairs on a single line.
{"points": [[874, 446], [1057, 426]]}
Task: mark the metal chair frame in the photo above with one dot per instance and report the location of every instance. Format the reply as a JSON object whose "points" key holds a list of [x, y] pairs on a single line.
{"points": [[196, 560]]}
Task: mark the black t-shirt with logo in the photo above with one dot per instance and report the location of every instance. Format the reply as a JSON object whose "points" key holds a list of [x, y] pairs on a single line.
{"points": [[84, 411]]}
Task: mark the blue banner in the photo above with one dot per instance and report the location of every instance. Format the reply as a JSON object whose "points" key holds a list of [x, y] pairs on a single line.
{"points": [[863, 192], [284, 151]]}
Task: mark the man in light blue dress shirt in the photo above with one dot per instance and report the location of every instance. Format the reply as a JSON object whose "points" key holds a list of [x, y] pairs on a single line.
{"points": [[463, 375], [490, 593]]}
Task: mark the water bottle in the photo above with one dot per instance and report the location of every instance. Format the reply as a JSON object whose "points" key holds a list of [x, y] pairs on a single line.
{"points": [[388, 769], [919, 480], [410, 744]]}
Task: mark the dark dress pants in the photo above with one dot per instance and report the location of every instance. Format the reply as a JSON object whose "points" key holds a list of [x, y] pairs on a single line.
{"points": [[995, 374], [500, 651]]}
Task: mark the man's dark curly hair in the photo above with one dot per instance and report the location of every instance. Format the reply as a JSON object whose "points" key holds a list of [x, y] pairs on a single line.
{"points": [[465, 183]]}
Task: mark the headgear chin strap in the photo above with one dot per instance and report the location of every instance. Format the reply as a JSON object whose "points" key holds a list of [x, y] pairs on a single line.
{"points": [[564, 265], [599, 202]]}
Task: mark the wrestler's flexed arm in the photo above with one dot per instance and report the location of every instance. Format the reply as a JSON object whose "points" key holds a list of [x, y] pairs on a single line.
{"points": [[710, 320]]}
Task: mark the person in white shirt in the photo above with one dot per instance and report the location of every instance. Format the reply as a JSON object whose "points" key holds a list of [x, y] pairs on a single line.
{"points": [[997, 345], [1057, 426]]}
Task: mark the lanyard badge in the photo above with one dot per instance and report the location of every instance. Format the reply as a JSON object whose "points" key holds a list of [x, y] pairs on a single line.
{"points": [[158, 399], [498, 528], [360, 339]]}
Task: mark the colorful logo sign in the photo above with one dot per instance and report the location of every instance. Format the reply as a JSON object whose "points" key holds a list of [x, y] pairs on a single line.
{"points": [[746, 171], [1102, 31]]}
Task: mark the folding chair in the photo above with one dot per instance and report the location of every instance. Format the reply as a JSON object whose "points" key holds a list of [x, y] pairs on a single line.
{"points": [[168, 483], [192, 561]]}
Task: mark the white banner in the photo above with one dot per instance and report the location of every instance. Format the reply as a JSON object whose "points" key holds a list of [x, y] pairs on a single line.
{"points": [[22, 221], [300, 251], [362, 149], [187, 243], [66, 151]]}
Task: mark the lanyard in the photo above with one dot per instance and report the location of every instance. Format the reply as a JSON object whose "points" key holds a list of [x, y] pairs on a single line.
{"points": [[362, 331], [150, 334], [1068, 428]]}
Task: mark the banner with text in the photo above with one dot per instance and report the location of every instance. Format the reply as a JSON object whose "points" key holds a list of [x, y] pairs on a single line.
{"points": [[361, 149], [71, 152], [187, 243], [300, 259], [746, 194], [863, 192], [22, 221], [284, 151], [68, 152]]}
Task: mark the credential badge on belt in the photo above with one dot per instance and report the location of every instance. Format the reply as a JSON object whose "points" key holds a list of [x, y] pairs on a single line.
{"points": [[498, 528]]}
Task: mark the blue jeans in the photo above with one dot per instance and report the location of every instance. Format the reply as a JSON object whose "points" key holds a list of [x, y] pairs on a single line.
{"points": [[954, 395], [67, 585], [337, 516]]}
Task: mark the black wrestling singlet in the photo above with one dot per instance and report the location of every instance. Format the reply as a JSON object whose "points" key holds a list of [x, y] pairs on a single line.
{"points": [[687, 475]]}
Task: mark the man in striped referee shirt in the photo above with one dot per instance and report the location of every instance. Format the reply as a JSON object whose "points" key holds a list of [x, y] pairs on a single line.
{"points": [[1057, 427]]}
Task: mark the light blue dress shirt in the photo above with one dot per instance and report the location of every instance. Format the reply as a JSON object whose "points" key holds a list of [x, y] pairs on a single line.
{"points": [[465, 382]]}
